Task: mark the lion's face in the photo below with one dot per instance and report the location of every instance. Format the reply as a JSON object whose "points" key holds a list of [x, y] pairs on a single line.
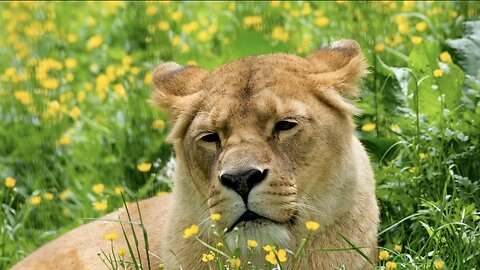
{"points": [[262, 136]]}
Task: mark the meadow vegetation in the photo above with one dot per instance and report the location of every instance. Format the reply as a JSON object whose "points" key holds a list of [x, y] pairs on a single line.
{"points": [[77, 130]]}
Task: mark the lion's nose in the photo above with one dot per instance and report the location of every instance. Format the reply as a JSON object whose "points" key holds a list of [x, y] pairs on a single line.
{"points": [[243, 181]]}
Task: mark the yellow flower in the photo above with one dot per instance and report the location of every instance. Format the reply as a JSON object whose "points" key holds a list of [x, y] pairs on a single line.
{"points": [[390, 265], [35, 200], [177, 15], [175, 40], [94, 42], [445, 57], [158, 124], [268, 248], [50, 83], [280, 34], [24, 97], [151, 10], [75, 113], [215, 217], [48, 196], [81, 96], [397, 248], [119, 90], [321, 21], [439, 264], [235, 262], [413, 169], [192, 63], [163, 26], [219, 245], [416, 39], [438, 73], [65, 194], [252, 243], [208, 257], [421, 26], [395, 127], [98, 188], [100, 206], [368, 127], [274, 256], [122, 251], [91, 21], [144, 167], [10, 182], [383, 255], [161, 266], [379, 47], [422, 155], [189, 232], [185, 48], [253, 21], [70, 63], [64, 140], [119, 190], [72, 38], [110, 236], [312, 225], [148, 78], [203, 36], [69, 77], [403, 28]]}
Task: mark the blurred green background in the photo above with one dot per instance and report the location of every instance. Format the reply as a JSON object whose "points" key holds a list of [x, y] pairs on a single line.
{"points": [[76, 127]]}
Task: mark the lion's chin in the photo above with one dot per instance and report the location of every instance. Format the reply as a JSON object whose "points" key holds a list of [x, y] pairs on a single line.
{"points": [[264, 231]]}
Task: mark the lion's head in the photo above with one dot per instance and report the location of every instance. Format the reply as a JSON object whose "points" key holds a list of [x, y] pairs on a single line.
{"points": [[266, 140]]}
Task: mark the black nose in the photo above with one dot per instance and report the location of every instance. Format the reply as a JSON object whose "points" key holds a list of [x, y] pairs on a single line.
{"points": [[243, 181]]}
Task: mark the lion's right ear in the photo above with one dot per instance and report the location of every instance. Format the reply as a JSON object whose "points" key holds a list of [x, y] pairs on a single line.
{"points": [[176, 87]]}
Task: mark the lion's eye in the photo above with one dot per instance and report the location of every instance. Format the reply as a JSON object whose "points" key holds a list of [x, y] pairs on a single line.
{"points": [[285, 125], [211, 138]]}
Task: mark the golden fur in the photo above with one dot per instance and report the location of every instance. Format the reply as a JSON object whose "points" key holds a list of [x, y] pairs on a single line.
{"points": [[317, 169]]}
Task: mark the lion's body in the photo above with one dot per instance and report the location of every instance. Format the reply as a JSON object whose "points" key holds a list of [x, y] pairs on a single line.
{"points": [[267, 142]]}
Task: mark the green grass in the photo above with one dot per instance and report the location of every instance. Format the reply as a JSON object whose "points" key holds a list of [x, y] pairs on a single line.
{"points": [[65, 128]]}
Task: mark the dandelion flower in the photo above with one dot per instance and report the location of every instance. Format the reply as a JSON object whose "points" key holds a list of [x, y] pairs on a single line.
{"points": [[118, 190], [65, 194], [416, 39], [268, 248], [144, 167], [148, 79], [191, 231], [321, 21], [445, 57], [312, 225], [158, 124], [35, 200], [98, 188], [70, 63], [397, 248], [64, 140], [390, 265], [100, 206], [384, 255], [161, 266], [208, 257], [94, 42], [151, 10], [422, 155], [252, 243], [48, 196], [122, 251], [379, 47], [215, 217], [421, 26], [438, 73], [177, 15], [75, 113], [110, 236], [439, 264], [413, 169], [235, 262], [10, 182], [219, 245], [274, 256], [72, 38], [368, 127], [163, 26]]}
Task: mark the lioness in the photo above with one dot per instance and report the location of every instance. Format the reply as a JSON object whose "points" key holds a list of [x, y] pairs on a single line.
{"points": [[267, 142]]}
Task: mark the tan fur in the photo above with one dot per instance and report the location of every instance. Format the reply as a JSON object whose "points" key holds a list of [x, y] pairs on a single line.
{"points": [[316, 171]]}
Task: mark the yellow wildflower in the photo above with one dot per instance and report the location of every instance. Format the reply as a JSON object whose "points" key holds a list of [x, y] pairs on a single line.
{"points": [[368, 127], [421, 26], [390, 265], [148, 78], [203, 36], [177, 15], [268, 248], [72, 38], [161, 266], [274, 256], [75, 113], [235, 262], [445, 57], [118, 190], [35, 200], [413, 169], [100, 206], [121, 251], [70, 63], [91, 21], [439, 264], [395, 127], [10, 182], [416, 39], [397, 248], [50, 83], [403, 28], [23, 96], [215, 217], [213, 28], [219, 245], [65, 194], [69, 77], [383, 255], [191, 231], [175, 40], [208, 257], [64, 140], [48, 196], [438, 73], [312, 225], [94, 42], [192, 63], [163, 26], [185, 48], [151, 10], [379, 47], [119, 90], [253, 21], [280, 34], [321, 21], [98, 188], [252, 243], [110, 236], [158, 124], [422, 155], [144, 167], [81, 96]]}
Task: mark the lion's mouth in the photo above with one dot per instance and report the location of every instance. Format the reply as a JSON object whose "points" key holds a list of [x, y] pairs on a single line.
{"points": [[249, 216]]}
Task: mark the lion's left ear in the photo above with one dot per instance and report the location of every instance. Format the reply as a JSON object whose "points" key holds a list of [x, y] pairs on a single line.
{"points": [[341, 65]]}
